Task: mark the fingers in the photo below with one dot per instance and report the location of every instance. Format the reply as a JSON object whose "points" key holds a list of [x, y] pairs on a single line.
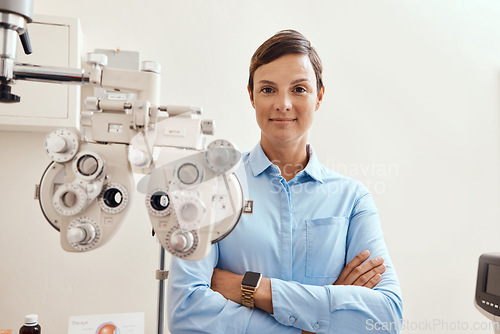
{"points": [[372, 277], [362, 272], [373, 281], [345, 276], [366, 267]]}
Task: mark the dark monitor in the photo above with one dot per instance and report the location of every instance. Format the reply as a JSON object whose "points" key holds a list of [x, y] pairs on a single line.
{"points": [[488, 283]]}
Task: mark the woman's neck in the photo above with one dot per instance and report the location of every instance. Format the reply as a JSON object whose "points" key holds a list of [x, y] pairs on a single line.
{"points": [[291, 157]]}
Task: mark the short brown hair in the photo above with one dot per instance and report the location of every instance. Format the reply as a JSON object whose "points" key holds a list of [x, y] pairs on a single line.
{"points": [[283, 43]]}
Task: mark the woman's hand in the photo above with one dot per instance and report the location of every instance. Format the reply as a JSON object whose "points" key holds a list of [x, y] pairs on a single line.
{"points": [[227, 284], [361, 273]]}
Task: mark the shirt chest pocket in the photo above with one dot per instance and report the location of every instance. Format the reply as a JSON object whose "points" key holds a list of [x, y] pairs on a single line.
{"points": [[325, 246]]}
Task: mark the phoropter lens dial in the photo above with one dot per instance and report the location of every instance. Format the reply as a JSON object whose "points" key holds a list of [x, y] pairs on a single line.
{"points": [[83, 233], [158, 202], [61, 145], [69, 199], [88, 166], [189, 174], [190, 211], [181, 243], [221, 156], [113, 198]]}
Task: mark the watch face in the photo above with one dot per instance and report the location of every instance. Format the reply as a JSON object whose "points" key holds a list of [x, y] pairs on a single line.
{"points": [[251, 279]]}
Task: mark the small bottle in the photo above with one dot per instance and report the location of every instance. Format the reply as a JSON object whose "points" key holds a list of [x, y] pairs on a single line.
{"points": [[31, 325]]}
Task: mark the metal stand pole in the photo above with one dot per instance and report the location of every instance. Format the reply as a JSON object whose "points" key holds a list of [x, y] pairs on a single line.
{"points": [[161, 276]]}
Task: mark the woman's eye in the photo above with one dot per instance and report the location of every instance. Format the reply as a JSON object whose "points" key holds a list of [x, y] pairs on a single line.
{"points": [[266, 90], [299, 90]]}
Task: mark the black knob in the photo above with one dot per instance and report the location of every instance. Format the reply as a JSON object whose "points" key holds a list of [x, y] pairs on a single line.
{"points": [[6, 96], [25, 41]]}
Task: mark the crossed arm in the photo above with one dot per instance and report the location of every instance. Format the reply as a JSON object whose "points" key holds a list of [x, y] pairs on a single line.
{"points": [[358, 272]]}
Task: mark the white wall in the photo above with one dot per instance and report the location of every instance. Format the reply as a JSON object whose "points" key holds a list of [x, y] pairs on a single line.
{"points": [[411, 109]]}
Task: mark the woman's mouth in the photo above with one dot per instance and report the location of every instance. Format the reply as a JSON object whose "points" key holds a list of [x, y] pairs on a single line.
{"points": [[282, 120]]}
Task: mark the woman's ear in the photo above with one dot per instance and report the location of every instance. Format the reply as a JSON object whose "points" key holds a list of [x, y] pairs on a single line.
{"points": [[250, 93], [320, 97]]}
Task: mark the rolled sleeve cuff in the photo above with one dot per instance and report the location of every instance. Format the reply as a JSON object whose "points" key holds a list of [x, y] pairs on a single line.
{"points": [[301, 306], [262, 322]]}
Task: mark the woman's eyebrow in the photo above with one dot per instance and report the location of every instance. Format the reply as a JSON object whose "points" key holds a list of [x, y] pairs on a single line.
{"points": [[266, 82], [298, 81]]}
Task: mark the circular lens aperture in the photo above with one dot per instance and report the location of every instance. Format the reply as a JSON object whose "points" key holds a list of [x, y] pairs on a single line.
{"points": [[113, 198], [87, 165], [160, 201], [188, 173], [69, 199]]}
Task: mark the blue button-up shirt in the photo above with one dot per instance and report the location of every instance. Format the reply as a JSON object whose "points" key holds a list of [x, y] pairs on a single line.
{"points": [[301, 235]]}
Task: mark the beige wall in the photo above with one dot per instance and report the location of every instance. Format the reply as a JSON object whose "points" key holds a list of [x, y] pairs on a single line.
{"points": [[411, 109]]}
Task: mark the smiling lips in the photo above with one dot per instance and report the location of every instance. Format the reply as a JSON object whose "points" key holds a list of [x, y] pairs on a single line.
{"points": [[282, 120]]}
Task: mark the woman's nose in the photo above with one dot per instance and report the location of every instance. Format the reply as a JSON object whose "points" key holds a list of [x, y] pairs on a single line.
{"points": [[283, 102]]}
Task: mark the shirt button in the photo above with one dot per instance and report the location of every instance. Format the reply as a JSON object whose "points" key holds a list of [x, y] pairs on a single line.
{"points": [[316, 326], [292, 318]]}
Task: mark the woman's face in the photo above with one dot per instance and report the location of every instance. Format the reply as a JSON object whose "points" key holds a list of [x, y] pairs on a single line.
{"points": [[285, 98]]}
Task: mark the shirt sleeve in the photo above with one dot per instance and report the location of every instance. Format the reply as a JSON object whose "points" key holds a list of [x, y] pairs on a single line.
{"points": [[192, 307], [346, 309]]}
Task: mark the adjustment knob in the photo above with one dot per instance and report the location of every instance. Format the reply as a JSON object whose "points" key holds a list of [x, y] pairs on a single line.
{"points": [[92, 103], [6, 96], [57, 144], [83, 233], [181, 241], [221, 156], [138, 157], [61, 145], [76, 235], [208, 127], [96, 59], [151, 66]]}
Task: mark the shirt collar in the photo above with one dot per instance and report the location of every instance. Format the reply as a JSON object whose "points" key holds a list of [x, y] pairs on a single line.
{"points": [[259, 162], [313, 168]]}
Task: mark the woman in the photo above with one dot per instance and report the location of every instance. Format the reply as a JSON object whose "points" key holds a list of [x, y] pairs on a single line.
{"points": [[308, 222]]}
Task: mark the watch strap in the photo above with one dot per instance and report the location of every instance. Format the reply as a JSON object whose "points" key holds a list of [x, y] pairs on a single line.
{"points": [[248, 296]]}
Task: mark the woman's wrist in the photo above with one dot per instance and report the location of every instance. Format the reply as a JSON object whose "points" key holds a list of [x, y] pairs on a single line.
{"points": [[264, 296]]}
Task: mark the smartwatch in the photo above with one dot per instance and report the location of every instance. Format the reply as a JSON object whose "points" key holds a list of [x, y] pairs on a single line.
{"points": [[249, 284]]}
